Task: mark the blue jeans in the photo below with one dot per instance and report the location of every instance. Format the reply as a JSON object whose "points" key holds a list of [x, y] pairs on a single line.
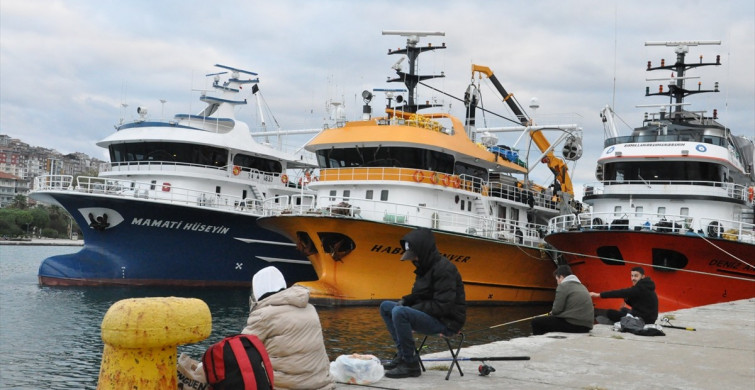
{"points": [[401, 320]]}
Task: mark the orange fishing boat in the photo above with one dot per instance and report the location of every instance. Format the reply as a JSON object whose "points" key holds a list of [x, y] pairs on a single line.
{"points": [[381, 177]]}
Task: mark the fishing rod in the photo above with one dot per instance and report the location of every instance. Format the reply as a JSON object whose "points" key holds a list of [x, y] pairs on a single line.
{"points": [[508, 323], [484, 369], [478, 359], [667, 324]]}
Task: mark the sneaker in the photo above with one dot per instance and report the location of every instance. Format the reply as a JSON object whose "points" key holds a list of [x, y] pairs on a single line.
{"points": [[405, 370], [392, 364]]}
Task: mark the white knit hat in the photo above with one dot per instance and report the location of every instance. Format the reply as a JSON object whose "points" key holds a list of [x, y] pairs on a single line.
{"points": [[267, 280]]}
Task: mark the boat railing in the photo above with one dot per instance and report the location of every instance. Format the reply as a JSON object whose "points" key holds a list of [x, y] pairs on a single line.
{"points": [[164, 192], [464, 182], [653, 222], [410, 214], [702, 138], [156, 166], [650, 187]]}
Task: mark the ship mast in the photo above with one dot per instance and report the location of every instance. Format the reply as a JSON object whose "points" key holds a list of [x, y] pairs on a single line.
{"points": [[413, 51], [676, 91]]}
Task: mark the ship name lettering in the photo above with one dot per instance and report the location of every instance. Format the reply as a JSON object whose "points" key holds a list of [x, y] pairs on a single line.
{"points": [[730, 264], [458, 258], [157, 223], [386, 249]]}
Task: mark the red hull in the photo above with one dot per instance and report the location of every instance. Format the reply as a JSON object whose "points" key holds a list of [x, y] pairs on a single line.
{"points": [[711, 273]]}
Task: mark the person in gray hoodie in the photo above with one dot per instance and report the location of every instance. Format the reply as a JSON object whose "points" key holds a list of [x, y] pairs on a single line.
{"points": [[572, 311]]}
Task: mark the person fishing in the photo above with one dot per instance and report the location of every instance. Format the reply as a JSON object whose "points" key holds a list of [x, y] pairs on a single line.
{"points": [[572, 311], [289, 327], [436, 304], [641, 298]]}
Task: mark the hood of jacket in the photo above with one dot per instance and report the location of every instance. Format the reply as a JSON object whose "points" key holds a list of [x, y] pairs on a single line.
{"points": [[571, 278], [422, 242], [295, 296], [646, 283]]}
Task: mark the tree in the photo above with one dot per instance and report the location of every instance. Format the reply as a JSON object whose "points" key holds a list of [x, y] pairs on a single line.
{"points": [[19, 202]]}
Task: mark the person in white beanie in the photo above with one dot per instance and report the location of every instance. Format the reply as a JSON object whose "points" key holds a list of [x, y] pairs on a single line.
{"points": [[290, 329]]}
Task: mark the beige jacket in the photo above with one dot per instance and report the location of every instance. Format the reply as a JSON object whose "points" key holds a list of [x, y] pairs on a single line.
{"points": [[290, 329]]}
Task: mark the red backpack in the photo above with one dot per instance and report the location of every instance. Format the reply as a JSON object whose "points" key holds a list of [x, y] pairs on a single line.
{"points": [[238, 362]]}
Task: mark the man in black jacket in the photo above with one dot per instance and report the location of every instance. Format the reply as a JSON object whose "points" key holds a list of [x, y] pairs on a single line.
{"points": [[640, 297], [436, 305]]}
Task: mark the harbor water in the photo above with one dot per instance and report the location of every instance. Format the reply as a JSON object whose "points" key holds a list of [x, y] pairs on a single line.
{"points": [[50, 336]]}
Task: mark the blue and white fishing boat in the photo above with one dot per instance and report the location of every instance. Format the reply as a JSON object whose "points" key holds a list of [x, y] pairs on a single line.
{"points": [[178, 203]]}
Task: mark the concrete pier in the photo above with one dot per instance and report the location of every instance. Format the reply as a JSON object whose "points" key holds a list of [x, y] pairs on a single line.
{"points": [[719, 354]]}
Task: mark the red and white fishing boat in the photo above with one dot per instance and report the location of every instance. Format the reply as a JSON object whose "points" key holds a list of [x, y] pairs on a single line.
{"points": [[675, 196]]}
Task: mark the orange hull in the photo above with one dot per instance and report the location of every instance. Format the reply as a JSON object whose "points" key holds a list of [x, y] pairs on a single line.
{"points": [[494, 272], [709, 275]]}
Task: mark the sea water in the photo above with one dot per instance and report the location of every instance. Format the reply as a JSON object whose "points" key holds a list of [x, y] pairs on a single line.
{"points": [[50, 336]]}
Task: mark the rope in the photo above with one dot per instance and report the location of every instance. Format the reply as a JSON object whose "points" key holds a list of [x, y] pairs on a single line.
{"points": [[722, 250], [658, 266], [462, 100]]}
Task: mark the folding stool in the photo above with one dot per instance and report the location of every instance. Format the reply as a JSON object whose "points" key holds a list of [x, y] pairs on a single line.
{"points": [[454, 349]]}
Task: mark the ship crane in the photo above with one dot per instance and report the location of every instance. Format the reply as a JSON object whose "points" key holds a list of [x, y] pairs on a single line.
{"points": [[555, 164]]}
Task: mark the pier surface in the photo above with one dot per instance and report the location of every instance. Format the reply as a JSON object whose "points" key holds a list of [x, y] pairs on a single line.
{"points": [[719, 354]]}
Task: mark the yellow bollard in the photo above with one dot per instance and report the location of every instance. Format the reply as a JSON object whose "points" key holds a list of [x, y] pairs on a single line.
{"points": [[141, 337]]}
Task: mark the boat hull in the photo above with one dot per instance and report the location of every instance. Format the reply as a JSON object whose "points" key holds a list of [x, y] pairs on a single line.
{"points": [[494, 272], [145, 242], [711, 273]]}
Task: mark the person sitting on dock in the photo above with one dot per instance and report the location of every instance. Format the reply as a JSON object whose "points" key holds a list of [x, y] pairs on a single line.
{"points": [[641, 298], [289, 327], [572, 310], [436, 305]]}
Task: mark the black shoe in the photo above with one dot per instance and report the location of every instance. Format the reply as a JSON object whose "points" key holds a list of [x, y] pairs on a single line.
{"points": [[392, 364], [405, 370]]}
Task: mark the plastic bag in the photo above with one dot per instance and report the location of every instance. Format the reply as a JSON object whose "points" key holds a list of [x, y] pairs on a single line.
{"points": [[190, 373], [357, 369], [632, 324]]}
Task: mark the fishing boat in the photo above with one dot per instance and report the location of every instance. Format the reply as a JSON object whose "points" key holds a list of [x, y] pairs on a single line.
{"points": [[381, 177], [675, 197], [177, 203]]}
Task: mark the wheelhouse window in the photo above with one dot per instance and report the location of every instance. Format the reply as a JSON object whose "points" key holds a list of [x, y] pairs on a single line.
{"points": [[258, 163], [386, 156], [172, 152], [668, 171]]}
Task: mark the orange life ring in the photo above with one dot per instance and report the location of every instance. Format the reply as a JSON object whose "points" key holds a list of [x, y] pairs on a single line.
{"points": [[306, 179], [751, 193], [446, 179], [418, 176], [236, 170], [456, 181], [435, 178], [284, 178]]}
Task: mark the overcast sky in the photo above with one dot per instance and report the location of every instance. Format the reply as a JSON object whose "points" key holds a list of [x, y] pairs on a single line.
{"points": [[67, 67]]}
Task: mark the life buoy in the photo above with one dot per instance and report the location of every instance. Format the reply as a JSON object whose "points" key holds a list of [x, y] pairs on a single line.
{"points": [[751, 193], [306, 179], [236, 170], [456, 182], [166, 187], [435, 178], [418, 176], [284, 178], [445, 180]]}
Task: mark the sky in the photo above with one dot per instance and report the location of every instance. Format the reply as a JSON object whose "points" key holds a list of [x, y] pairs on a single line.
{"points": [[67, 68]]}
